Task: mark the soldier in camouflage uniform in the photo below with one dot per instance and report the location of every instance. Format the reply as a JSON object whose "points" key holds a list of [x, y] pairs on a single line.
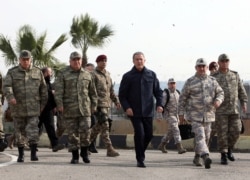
{"points": [[26, 93], [171, 115], [213, 68], [105, 91], [92, 147], [200, 97], [76, 99], [228, 122], [3, 144]]}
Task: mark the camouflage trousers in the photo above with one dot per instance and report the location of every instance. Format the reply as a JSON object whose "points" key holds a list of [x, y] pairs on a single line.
{"points": [[78, 129], [228, 130], [26, 127], [1, 124], [102, 128], [202, 132], [173, 130], [60, 128]]}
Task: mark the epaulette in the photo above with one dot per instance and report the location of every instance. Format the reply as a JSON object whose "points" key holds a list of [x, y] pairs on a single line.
{"points": [[212, 77], [217, 72], [36, 67], [191, 78], [235, 72], [15, 67], [64, 69]]}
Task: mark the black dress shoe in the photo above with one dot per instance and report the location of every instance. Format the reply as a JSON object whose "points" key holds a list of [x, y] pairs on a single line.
{"points": [[230, 156], [141, 164], [93, 149]]}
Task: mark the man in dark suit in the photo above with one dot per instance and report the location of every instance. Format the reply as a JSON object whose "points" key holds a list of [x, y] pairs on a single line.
{"points": [[47, 115], [137, 91]]}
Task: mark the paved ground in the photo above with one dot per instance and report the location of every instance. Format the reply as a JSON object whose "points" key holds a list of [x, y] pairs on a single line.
{"points": [[159, 166]]}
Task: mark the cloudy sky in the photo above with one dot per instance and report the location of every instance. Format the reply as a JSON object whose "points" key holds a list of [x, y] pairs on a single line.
{"points": [[171, 33]]}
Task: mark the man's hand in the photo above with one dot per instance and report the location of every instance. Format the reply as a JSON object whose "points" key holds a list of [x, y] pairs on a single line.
{"points": [[244, 108], [159, 109], [129, 112], [118, 105], [182, 120], [12, 101], [217, 104], [60, 109]]}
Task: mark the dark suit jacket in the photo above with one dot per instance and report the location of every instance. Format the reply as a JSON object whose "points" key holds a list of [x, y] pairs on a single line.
{"points": [[138, 90]]}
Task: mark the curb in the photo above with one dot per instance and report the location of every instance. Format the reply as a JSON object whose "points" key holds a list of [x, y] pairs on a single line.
{"points": [[127, 141]]}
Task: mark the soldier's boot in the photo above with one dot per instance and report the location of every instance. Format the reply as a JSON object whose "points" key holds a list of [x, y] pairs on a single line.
{"points": [[33, 149], [207, 161], [230, 155], [162, 147], [92, 147], [75, 156], [224, 158], [111, 152], [3, 145], [10, 140], [58, 147], [180, 148], [20, 154], [84, 154], [197, 160]]}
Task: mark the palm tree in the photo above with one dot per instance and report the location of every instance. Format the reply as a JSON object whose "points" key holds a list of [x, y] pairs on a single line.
{"points": [[86, 32], [27, 39]]}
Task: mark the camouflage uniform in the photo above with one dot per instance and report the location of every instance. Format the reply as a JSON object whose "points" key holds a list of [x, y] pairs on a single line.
{"points": [[3, 144], [29, 89], [171, 115], [75, 92], [227, 115], [196, 100], [105, 91]]}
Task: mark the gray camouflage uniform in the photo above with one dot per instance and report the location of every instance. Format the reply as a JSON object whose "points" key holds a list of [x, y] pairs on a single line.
{"points": [[171, 115], [76, 93], [227, 115], [196, 100], [29, 89]]}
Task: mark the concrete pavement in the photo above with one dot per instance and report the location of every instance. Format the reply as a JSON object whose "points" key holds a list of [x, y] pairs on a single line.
{"points": [[172, 165]]}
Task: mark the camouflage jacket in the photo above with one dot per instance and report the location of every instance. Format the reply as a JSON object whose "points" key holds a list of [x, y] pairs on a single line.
{"points": [[75, 92], [104, 88], [171, 108], [29, 89], [234, 91], [197, 98]]}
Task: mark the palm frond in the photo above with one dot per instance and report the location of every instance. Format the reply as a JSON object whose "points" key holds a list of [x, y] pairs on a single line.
{"points": [[8, 52]]}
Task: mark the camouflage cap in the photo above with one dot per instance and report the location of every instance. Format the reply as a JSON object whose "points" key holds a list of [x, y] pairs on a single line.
{"points": [[25, 54], [171, 80], [75, 54], [201, 61], [223, 57]]}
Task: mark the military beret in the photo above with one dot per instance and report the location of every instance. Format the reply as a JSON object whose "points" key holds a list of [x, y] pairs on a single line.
{"points": [[101, 57]]}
